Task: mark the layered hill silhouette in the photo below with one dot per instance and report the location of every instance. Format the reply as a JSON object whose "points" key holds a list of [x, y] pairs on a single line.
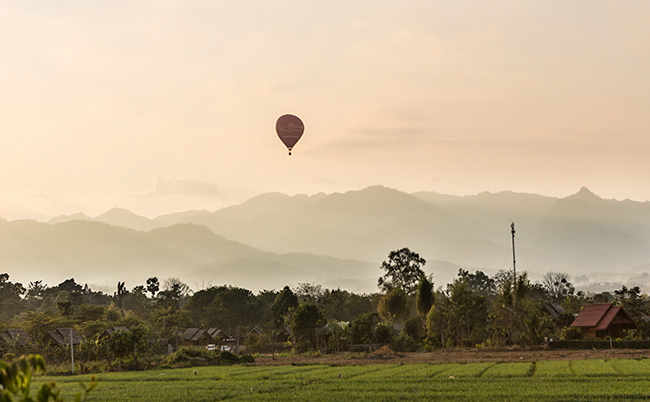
{"points": [[339, 240]]}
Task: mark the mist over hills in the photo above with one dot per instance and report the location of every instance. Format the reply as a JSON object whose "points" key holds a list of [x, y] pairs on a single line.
{"points": [[340, 239]]}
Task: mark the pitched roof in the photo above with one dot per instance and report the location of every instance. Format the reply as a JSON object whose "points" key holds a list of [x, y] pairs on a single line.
{"points": [[19, 336], [193, 334], [62, 336], [109, 332], [600, 316], [217, 333], [189, 334], [256, 330], [555, 309]]}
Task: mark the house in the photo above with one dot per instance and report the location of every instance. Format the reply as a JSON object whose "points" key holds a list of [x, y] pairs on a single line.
{"points": [[219, 337], [256, 331], [603, 319], [107, 333], [284, 335], [62, 336], [555, 310], [16, 337], [196, 337]]}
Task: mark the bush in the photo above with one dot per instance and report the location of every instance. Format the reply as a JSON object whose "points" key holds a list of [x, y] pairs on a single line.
{"points": [[404, 343], [414, 327], [229, 358], [186, 355], [247, 359], [570, 333], [384, 334]]}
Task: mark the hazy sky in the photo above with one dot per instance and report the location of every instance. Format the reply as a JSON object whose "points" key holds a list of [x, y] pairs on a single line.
{"points": [[160, 106]]}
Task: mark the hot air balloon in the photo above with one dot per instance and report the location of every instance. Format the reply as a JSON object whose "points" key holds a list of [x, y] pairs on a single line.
{"points": [[289, 129]]}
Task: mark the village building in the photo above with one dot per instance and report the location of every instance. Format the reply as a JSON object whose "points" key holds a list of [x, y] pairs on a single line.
{"points": [[555, 310], [196, 337], [62, 336], [220, 337], [603, 319], [15, 336], [109, 332]]}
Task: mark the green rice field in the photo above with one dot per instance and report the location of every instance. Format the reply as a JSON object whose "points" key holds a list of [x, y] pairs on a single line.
{"points": [[580, 380]]}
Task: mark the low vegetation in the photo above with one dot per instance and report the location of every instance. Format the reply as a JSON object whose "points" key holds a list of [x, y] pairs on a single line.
{"points": [[388, 382]]}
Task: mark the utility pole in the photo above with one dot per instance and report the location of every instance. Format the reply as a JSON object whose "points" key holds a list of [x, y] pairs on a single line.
{"points": [[238, 340], [514, 262], [71, 351]]}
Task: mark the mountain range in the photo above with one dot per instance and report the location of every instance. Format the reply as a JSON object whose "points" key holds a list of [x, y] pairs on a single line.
{"points": [[340, 240]]}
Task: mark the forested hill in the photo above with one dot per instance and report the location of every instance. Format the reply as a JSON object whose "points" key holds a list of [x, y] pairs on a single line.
{"points": [[340, 239]]}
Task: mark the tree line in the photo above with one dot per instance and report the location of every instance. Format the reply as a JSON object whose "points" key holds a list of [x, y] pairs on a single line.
{"points": [[408, 312]]}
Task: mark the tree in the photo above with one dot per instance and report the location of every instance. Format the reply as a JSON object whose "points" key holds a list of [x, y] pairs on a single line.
{"points": [[178, 288], [128, 341], [307, 318], [632, 302], [173, 293], [557, 285], [367, 329], [479, 283], [121, 292], [153, 286], [283, 303], [198, 305], [403, 270], [309, 292], [459, 316], [393, 306], [35, 290], [232, 307], [10, 296], [424, 297]]}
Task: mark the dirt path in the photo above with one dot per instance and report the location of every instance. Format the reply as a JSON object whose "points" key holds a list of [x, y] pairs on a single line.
{"points": [[458, 356]]}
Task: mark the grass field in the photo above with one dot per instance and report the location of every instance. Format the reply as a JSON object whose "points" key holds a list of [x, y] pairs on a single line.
{"points": [[579, 380]]}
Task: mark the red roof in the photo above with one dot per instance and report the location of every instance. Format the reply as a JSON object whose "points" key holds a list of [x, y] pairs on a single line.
{"points": [[600, 316]]}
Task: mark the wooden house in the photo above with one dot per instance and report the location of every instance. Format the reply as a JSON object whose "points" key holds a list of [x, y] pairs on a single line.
{"points": [[603, 319], [555, 310], [284, 335], [16, 337], [62, 336], [107, 333], [220, 337], [196, 337]]}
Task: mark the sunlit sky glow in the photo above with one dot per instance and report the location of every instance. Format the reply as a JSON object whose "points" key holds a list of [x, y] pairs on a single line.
{"points": [[162, 106]]}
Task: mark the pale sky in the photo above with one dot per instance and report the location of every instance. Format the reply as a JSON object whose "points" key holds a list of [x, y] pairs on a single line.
{"points": [[163, 106]]}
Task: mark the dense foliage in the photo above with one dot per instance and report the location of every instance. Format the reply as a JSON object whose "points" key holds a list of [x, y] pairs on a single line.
{"points": [[146, 322]]}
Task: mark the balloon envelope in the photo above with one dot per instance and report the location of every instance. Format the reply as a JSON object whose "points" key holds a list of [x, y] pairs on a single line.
{"points": [[289, 129]]}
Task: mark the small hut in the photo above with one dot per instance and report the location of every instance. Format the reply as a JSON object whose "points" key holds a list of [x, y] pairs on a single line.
{"points": [[196, 337], [219, 336], [603, 319], [62, 336], [15, 336], [110, 331]]}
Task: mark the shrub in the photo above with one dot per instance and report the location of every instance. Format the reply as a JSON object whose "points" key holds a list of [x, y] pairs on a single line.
{"points": [[229, 358], [404, 343], [569, 333], [186, 354], [247, 359]]}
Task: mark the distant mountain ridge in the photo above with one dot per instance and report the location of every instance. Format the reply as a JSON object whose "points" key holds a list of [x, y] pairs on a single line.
{"points": [[342, 238]]}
